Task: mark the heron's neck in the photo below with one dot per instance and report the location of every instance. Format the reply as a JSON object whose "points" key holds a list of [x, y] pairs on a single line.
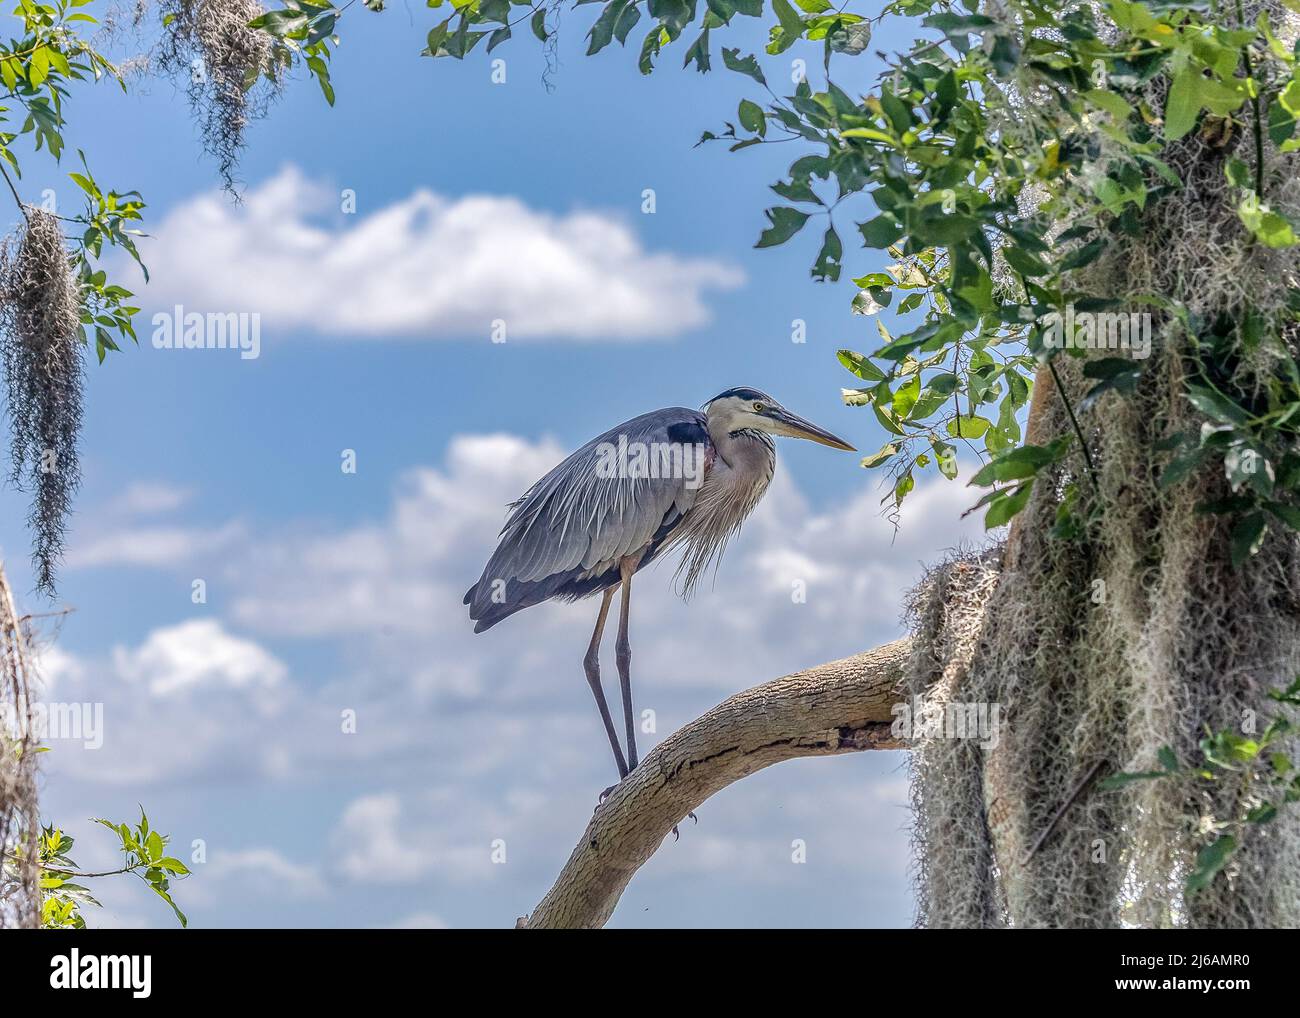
{"points": [[743, 448]]}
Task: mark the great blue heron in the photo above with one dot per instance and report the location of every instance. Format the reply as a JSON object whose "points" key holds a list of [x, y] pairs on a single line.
{"points": [[667, 478]]}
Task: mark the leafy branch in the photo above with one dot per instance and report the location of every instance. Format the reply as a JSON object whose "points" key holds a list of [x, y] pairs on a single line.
{"points": [[1268, 778], [144, 856]]}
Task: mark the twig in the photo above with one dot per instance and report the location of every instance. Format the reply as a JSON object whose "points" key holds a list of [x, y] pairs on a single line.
{"points": [[14, 191], [1259, 125], [1083, 443], [1056, 818]]}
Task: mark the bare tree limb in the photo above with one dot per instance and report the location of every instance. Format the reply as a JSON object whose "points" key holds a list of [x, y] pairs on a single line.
{"points": [[840, 707]]}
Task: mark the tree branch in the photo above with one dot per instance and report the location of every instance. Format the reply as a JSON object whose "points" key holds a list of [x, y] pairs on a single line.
{"points": [[840, 707]]}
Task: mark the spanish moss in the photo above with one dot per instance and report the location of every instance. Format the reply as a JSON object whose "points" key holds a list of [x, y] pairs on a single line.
{"points": [[232, 71], [40, 337]]}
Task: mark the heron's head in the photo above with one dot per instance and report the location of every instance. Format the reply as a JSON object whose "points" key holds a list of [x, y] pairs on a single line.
{"points": [[746, 409]]}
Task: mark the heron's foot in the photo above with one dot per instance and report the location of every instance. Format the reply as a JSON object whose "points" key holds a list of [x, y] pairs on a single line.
{"points": [[677, 836], [600, 801]]}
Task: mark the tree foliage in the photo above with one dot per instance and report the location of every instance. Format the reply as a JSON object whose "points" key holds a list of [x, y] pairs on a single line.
{"points": [[63, 896], [1259, 764]]}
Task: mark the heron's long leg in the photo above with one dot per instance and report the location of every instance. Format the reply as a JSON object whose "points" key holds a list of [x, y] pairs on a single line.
{"points": [[623, 655], [591, 665]]}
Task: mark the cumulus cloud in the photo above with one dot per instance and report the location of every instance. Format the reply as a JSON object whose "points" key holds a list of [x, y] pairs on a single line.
{"points": [[372, 844], [188, 702], [126, 531], [426, 265], [158, 547], [262, 869], [198, 653], [149, 497]]}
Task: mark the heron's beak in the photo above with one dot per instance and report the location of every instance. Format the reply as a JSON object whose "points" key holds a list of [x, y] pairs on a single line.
{"points": [[796, 427]]}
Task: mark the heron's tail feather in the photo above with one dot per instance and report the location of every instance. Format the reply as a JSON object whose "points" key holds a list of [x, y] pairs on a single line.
{"points": [[490, 602], [486, 610]]}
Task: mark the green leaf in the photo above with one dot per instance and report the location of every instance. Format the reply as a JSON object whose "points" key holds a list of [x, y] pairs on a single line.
{"points": [[1248, 536], [1024, 262], [751, 117], [945, 457], [723, 10], [827, 266], [906, 396], [1183, 104], [791, 27], [650, 50], [860, 366], [39, 67], [1288, 514], [1015, 465], [1082, 256], [1237, 172], [968, 427], [698, 53], [626, 22], [1269, 227], [1210, 861], [785, 223], [747, 65], [903, 487], [879, 456], [1181, 467], [1215, 405], [881, 231], [1005, 506], [1113, 103]]}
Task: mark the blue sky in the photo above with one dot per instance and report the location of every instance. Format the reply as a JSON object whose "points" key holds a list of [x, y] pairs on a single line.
{"points": [[329, 592]]}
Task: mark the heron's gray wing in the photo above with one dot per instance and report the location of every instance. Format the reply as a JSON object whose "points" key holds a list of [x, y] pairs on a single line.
{"points": [[589, 512]]}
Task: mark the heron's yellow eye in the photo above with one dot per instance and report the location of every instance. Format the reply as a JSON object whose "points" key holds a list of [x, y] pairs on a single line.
{"points": [[758, 408]]}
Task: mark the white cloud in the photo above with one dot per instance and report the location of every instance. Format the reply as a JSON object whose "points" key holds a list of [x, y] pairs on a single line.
{"points": [[372, 844], [150, 497], [188, 702], [425, 265], [263, 870], [405, 572], [56, 668], [157, 547], [126, 531], [198, 653], [436, 833]]}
